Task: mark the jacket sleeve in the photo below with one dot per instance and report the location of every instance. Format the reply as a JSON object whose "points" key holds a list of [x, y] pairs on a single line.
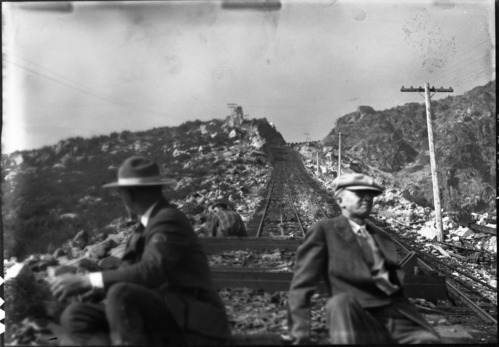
{"points": [[165, 244], [311, 257], [213, 225]]}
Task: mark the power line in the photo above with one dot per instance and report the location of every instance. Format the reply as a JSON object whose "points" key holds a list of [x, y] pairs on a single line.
{"points": [[51, 71], [88, 92]]}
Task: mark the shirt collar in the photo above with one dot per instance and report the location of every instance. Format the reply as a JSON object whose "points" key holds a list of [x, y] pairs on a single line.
{"points": [[144, 219], [356, 227]]}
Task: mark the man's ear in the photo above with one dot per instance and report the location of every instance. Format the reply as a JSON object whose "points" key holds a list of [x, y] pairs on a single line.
{"points": [[126, 195]]}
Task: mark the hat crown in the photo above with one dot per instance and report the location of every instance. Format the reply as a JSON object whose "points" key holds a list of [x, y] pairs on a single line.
{"points": [[138, 167], [356, 182], [139, 171]]}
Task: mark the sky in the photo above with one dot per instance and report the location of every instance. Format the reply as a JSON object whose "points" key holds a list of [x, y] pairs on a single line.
{"points": [[92, 68]]}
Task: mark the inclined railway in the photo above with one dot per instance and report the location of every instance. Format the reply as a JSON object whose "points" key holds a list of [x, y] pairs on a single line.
{"points": [[294, 201]]}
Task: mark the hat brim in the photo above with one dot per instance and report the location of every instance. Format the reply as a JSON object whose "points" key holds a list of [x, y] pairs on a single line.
{"points": [[138, 183], [374, 189]]}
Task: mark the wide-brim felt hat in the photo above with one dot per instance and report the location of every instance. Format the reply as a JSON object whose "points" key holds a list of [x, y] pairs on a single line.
{"points": [[139, 171], [356, 182]]}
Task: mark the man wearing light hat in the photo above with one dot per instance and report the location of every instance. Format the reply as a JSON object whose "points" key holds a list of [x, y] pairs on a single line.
{"points": [[225, 222], [162, 294], [361, 271]]}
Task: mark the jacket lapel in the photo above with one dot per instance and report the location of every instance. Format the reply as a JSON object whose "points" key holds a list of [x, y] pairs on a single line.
{"points": [[389, 251], [386, 247], [133, 244], [162, 203], [345, 232]]}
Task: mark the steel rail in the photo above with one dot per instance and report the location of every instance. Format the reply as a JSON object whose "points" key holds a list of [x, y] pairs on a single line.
{"points": [[293, 204], [484, 315], [280, 169], [447, 265], [302, 177], [260, 225], [471, 304], [493, 289], [303, 181]]}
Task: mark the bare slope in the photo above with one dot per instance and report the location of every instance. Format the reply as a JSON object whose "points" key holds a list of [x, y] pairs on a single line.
{"points": [[396, 141]]}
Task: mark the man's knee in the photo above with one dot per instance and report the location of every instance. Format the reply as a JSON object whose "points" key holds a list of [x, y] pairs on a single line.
{"points": [[422, 337], [341, 302], [72, 316], [119, 293]]}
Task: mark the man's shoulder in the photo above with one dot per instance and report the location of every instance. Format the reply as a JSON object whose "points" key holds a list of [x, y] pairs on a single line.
{"points": [[169, 213], [328, 225], [330, 222]]}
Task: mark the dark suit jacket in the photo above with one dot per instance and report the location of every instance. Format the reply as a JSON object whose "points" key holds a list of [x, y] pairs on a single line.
{"points": [[168, 257], [330, 250]]}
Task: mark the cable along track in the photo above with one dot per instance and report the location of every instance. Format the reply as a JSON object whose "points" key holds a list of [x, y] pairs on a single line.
{"points": [[462, 285]]}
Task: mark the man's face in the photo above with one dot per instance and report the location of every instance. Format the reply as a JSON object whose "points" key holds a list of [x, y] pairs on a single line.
{"points": [[356, 204]]}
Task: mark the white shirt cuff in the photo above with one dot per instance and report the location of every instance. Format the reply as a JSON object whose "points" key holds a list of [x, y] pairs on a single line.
{"points": [[96, 279]]}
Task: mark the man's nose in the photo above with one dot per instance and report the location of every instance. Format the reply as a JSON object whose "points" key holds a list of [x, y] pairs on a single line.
{"points": [[366, 195]]}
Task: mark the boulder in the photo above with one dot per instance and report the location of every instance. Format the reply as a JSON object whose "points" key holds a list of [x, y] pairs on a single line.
{"points": [[60, 270], [59, 252], [233, 134], [492, 245], [428, 232], [102, 249], [43, 263], [118, 251], [88, 265], [84, 263], [80, 241], [365, 110], [109, 263]]}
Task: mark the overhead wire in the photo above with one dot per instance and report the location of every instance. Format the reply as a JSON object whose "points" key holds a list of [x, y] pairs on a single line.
{"points": [[82, 90]]}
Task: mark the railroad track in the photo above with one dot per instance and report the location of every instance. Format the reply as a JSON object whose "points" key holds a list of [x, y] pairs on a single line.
{"points": [[462, 285], [294, 202], [291, 196]]}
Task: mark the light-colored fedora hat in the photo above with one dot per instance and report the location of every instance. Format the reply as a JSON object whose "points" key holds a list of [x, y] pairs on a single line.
{"points": [[139, 171], [356, 182]]}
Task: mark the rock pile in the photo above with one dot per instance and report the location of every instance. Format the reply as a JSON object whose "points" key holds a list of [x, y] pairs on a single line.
{"points": [[211, 161], [393, 208]]}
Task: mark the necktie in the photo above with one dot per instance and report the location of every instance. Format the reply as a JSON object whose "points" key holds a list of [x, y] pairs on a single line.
{"points": [[367, 251], [380, 275]]}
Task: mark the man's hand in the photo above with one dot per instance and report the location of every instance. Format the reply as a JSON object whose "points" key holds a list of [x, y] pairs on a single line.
{"points": [[68, 285]]}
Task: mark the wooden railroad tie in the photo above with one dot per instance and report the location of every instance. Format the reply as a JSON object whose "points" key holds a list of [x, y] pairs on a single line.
{"points": [[234, 243], [428, 286]]}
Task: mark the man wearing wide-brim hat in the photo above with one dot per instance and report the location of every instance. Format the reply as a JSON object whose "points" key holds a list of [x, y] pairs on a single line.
{"points": [[367, 304], [162, 294]]}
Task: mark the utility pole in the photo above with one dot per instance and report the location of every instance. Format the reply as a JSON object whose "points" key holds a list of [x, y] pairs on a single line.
{"points": [[433, 163], [306, 138], [339, 154], [318, 168]]}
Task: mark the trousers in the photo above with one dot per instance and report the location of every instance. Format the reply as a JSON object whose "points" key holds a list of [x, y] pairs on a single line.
{"points": [[350, 323], [132, 315]]}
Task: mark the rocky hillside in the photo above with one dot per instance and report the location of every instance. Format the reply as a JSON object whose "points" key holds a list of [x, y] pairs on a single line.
{"points": [[54, 192], [395, 141]]}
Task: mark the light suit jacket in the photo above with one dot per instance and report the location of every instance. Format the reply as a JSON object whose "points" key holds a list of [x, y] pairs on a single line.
{"points": [[330, 251], [168, 257]]}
